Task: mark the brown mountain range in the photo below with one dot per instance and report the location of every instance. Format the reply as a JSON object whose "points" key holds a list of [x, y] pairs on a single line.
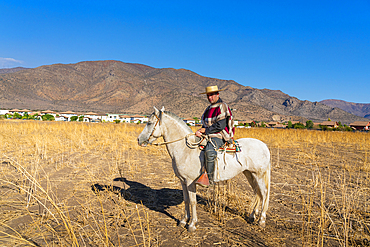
{"points": [[113, 86], [358, 109], [11, 70]]}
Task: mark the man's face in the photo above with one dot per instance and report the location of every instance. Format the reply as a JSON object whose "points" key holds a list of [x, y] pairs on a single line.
{"points": [[213, 97]]}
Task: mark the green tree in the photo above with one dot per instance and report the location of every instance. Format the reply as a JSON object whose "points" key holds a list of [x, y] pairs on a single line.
{"points": [[48, 117], [26, 116], [309, 124], [117, 121], [81, 118], [196, 120], [74, 118], [17, 115], [290, 125], [299, 126], [263, 125]]}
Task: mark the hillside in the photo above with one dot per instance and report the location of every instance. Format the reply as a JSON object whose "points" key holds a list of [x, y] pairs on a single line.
{"points": [[113, 86], [11, 70], [362, 110]]}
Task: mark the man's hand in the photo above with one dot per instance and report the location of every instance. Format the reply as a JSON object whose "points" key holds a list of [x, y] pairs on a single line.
{"points": [[200, 131]]}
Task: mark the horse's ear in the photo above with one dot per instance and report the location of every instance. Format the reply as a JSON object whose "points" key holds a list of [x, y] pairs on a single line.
{"points": [[156, 111], [162, 110]]}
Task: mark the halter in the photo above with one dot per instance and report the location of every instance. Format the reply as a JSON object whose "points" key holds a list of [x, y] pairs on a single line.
{"points": [[154, 126]]}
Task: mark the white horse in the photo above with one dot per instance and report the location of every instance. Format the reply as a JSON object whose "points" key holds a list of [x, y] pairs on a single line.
{"points": [[253, 161]]}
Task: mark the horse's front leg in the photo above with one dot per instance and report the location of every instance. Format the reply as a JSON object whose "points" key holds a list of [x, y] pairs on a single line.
{"points": [[186, 200], [192, 190]]}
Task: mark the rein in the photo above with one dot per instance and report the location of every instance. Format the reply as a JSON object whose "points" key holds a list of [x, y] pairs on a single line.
{"points": [[190, 144]]}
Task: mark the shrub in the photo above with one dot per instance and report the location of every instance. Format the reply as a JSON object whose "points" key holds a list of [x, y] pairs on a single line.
{"points": [[74, 118], [17, 115], [117, 121], [299, 126], [48, 117], [309, 124], [290, 125]]}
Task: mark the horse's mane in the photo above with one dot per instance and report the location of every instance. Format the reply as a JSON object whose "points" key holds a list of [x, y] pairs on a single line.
{"points": [[177, 119]]}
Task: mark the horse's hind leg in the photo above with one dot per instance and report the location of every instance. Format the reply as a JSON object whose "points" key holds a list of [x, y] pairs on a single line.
{"points": [[263, 186], [265, 181], [186, 201], [257, 195]]}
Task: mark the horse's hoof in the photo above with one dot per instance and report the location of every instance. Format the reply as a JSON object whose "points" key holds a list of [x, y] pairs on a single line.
{"points": [[182, 223], [250, 220], [191, 228], [262, 224]]}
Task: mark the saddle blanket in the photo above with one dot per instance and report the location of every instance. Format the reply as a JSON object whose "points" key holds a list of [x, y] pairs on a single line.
{"points": [[229, 148]]}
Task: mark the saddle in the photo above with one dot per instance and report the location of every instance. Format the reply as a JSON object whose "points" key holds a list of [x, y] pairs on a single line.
{"points": [[232, 147]]}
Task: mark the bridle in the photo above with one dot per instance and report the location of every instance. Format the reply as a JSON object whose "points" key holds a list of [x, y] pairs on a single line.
{"points": [[154, 126]]}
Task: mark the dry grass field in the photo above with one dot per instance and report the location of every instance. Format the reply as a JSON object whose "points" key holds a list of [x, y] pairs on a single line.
{"points": [[78, 184]]}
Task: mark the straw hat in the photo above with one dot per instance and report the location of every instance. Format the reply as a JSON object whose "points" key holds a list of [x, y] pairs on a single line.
{"points": [[212, 89]]}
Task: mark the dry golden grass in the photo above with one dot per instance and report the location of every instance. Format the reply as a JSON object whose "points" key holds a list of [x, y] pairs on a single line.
{"points": [[78, 184]]}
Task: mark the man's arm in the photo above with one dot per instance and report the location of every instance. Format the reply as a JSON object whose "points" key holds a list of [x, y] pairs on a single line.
{"points": [[214, 128]]}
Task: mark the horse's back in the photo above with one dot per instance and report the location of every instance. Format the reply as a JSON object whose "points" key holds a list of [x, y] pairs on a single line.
{"points": [[255, 151]]}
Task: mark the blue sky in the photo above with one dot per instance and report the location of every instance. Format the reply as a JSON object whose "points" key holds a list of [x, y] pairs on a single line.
{"points": [[312, 50]]}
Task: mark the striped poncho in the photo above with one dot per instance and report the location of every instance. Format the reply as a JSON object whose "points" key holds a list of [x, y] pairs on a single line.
{"points": [[219, 112]]}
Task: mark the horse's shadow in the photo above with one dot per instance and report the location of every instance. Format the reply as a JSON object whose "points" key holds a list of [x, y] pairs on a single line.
{"points": [[158, 200]]}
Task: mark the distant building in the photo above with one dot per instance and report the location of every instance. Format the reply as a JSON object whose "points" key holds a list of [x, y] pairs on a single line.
{"points": [[61, 118], [190, 121], [360, 125], [49, 112], [137, 118], [3, 112], [331, 124]]}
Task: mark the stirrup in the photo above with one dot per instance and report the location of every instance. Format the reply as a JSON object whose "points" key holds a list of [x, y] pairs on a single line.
{"points": [[203, 180]]}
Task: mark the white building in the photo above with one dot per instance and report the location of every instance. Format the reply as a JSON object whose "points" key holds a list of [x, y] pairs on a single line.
{"points": [[61, 118], [3, 112], [137, 118], [190, 121]]}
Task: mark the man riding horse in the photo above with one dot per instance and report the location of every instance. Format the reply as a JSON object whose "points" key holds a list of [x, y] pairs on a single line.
{"points": [[218, 125]]}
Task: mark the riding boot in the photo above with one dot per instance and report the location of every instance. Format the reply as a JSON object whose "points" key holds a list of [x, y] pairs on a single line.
{"points": [[210, 167]]}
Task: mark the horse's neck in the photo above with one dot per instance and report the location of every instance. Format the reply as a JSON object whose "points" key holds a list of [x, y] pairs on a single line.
{"points": [[174, 131]]}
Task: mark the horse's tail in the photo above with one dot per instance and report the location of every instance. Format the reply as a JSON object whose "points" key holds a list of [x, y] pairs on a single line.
{"points": [[267, 179]]}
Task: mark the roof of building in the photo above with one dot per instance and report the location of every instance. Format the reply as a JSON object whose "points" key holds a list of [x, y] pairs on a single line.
{"points": [[329, 123], [68, 112], [47, 111], [14, 110], [360, 123]]}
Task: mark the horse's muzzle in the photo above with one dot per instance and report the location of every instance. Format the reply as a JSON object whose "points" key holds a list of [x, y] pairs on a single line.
{"points": [[142, 143]]}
